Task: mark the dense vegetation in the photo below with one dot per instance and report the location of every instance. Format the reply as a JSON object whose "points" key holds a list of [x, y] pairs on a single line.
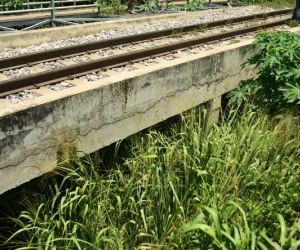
{"points": [[235, 185], [231, 185], [277, 87]]}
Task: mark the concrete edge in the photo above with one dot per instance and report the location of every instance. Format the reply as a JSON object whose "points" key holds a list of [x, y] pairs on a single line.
{"points": [[40, 100]]}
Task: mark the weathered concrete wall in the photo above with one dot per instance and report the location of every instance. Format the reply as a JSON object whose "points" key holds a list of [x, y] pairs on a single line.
{"points": [[87, 117]]}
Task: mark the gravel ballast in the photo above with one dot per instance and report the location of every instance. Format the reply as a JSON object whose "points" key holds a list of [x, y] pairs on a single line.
{"points": [[119, 32]]}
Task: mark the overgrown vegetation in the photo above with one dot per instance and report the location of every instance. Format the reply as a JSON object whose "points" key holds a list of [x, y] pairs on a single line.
{"points": [[191, 5], [232, 185], [111, 7], [293, 23], [277, 87], [14, 5], [276, 4]]}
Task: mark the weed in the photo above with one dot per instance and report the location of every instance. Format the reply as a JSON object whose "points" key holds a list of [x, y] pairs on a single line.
{"points": [[177, 33], [235, 41], [279, 4], [223, 30], [157, 5], [229, 21], [293, 23], [14, 5], [193, 5], [264, 16], [194, 32], [143, 7], [172, 6], [111, 7], [202, 27], [278, 72]]}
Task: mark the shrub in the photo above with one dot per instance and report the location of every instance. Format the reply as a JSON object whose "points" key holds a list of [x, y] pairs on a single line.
{"points": [[277, 60]]}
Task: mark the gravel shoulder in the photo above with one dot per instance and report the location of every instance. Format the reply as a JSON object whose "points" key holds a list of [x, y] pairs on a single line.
{"points": [[20, 43]]}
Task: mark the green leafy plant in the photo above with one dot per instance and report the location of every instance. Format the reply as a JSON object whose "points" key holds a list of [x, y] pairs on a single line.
{"points": [[14, 4], [232, 236], [143, 7], [223, 30], [242, 93], [203, 27], [193, 5], [229, 21], [277, 60], [293, 23], [174, 7], [177, 33], [157, 5], [110, 7]]}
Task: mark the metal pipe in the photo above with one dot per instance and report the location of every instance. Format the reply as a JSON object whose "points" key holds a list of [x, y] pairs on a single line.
{"points": [[37, 25], [53, 10]]}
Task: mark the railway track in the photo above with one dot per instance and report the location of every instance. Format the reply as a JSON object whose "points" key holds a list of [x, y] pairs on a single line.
{"points": [[36, 81]]}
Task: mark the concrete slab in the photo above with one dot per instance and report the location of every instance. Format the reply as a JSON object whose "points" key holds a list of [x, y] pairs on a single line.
{"points": [[35, 134], [4, 103]]}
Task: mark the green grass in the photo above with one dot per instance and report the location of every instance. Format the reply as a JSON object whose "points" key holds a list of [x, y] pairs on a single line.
{"points": [[234, 185], [278, 4]]}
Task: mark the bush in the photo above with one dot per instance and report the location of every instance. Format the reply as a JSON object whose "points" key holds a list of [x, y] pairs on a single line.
{"points": [[277, 60]]}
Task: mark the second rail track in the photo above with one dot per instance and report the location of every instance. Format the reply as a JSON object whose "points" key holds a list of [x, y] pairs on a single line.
{"points": [[50, 77]]}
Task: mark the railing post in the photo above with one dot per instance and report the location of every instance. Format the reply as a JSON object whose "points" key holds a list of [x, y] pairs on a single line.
{"points": [[52, 12], [214, 107]]}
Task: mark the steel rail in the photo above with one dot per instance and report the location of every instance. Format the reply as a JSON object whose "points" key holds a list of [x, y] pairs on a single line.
{"points": [[57, 75], [34, 58]]}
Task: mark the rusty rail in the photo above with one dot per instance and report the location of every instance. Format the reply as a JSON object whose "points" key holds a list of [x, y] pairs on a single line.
{"points": [[34, 58], [57, 75]]}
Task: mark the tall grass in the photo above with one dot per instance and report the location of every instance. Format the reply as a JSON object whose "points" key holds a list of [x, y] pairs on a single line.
{"points": [[234, 185]]}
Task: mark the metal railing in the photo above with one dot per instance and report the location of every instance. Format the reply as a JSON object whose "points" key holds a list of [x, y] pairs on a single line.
{"points": [[28, 3], [52, 20]]}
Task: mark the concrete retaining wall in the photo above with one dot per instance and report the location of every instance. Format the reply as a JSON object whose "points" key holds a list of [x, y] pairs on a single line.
{"points": [[34, 134]]}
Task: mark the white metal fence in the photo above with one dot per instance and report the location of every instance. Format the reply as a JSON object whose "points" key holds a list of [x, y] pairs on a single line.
{"points": [[33, 7]]}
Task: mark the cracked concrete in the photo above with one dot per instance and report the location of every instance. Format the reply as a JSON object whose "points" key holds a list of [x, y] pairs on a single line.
{"points": [[36, 134]]}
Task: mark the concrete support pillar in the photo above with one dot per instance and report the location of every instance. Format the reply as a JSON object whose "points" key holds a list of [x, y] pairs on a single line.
{"points": [[214, 107]]}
